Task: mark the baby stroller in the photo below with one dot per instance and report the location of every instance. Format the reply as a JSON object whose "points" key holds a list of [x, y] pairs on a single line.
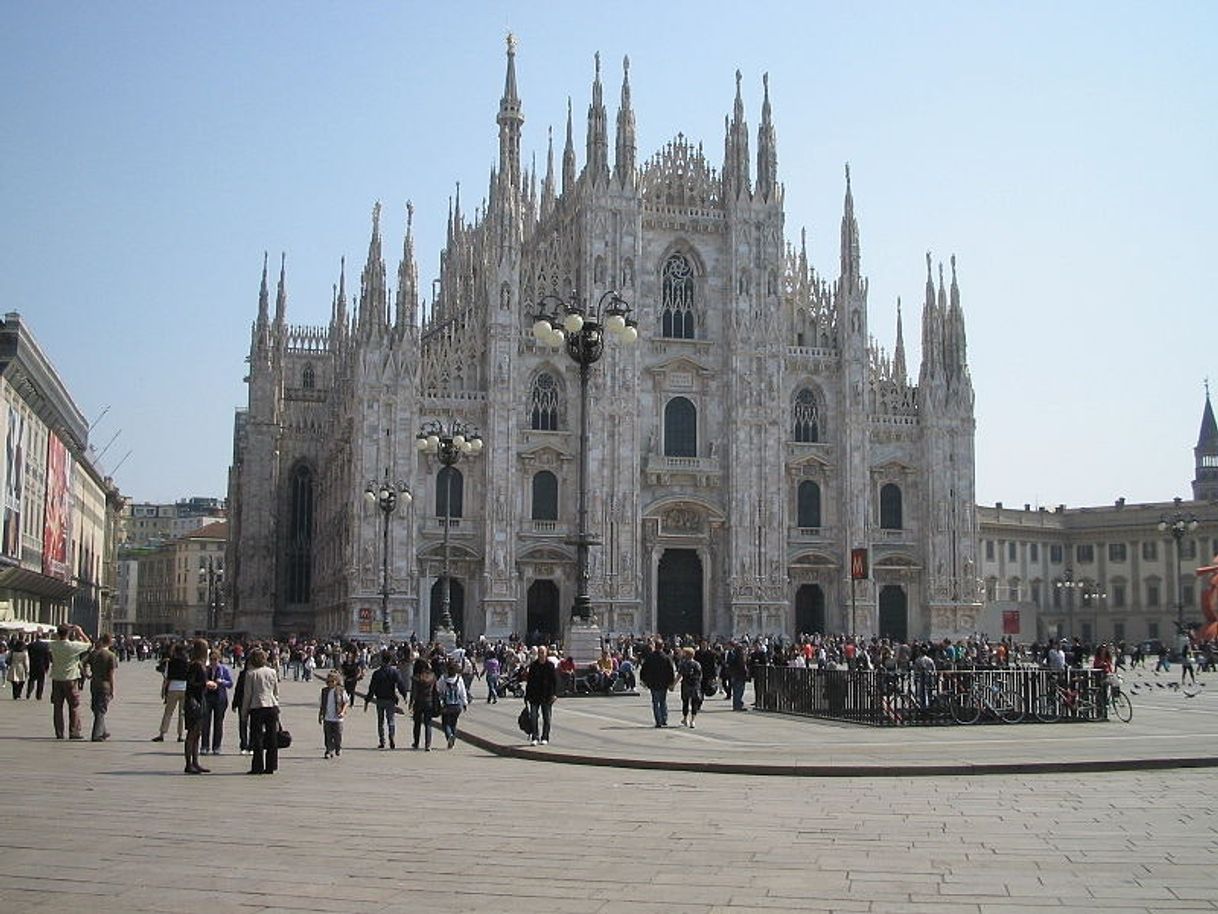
{"points": [[513, 683]]}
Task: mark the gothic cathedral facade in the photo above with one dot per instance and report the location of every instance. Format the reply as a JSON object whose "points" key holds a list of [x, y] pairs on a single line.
{"points": [[739, 453]]}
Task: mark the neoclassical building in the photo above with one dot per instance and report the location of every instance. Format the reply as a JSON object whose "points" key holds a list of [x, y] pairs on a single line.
{"points": [[738, 452]]}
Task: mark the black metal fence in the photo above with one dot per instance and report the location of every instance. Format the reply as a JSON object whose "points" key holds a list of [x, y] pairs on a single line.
{"points": [[916, 698]]}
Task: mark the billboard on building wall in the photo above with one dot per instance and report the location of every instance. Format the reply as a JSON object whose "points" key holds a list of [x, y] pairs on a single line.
{"points": [[57, 523], [14, 476]]}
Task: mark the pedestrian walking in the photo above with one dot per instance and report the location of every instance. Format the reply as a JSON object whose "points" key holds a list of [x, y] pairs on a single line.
{"points": [[689, 673], [40, 662], [173, 690], [260, 702], [454, 698], [383, 688], [18, 668], [103, 665], [658, 674], [69, 646], [490, 669], [330, 714], [540, 693], [424, 701]]}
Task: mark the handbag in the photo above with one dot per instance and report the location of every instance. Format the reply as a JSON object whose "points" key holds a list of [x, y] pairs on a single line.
{"points": [[283, 739], [525, 720]]}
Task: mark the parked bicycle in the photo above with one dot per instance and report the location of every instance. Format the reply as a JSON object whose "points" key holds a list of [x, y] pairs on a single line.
{"points": [[994, 696], [1068, 699]]}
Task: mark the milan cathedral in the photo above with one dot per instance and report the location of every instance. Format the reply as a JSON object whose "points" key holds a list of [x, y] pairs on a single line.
{"points": [[741, 453]]}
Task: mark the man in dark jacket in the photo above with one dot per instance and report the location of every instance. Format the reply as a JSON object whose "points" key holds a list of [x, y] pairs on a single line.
{"points": [[659, 675], [40, 663], [383, 688], [540, 690], [736, 665]]}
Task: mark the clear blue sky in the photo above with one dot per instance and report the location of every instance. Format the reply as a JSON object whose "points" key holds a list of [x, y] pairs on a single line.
{"points": [[1065, 152]]}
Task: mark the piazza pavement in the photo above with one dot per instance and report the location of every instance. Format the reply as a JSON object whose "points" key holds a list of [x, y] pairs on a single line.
{"points": [[831, 817]]}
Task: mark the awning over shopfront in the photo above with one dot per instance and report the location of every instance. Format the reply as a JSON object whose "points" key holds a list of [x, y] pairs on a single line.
{"points": [[23, 580]]}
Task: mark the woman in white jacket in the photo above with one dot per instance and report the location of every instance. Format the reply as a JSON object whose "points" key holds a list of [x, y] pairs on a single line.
{"points": [[453, 700]]}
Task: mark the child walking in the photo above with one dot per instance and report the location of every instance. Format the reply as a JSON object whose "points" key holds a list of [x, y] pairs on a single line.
{"points": [[330, 714]]}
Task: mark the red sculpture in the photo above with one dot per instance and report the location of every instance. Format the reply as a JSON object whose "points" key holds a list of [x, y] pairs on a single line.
{"points": [[1209, 603]]}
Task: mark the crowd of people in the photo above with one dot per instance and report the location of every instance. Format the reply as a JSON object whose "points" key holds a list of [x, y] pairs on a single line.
{"points": [[202, 683]]}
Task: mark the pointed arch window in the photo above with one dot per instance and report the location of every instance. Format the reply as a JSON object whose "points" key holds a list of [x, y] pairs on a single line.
{"points": [[808, 505], [805, 417], [890, 507], [677, 298], [300, 535], [308, 380], [545, 496], [450, 492], [680, 428], [543, 403]]}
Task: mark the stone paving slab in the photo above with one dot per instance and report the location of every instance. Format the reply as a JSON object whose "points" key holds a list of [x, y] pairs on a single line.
{"points": [[116, 827]]}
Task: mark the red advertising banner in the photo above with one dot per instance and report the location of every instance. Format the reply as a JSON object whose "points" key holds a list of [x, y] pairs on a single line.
{"points": [[57, 523], [14, 483], [1010, 621], [858, 564]]}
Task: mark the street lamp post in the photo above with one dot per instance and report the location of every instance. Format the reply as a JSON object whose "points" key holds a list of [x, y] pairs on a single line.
{"points": [[1069, 586], [448, 443], [213, 574], [1178, 525], [582, 330], [1091, 595], [385, 495]]}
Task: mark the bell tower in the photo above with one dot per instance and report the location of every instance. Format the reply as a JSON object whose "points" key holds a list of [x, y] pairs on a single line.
{"points": [[1205, 483]]}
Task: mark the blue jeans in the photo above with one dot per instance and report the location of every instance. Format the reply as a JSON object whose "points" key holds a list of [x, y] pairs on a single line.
{"points": [[492, 686], [385, 710], [659, 706], [737, 694], [213, 722], [545, 709]]}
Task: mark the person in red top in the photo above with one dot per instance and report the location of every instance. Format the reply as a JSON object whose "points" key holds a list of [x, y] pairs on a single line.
{"points": [[1103, 660], [566, 673]]}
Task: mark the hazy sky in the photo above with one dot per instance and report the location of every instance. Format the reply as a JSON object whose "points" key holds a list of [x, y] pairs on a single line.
{"points": [[1065, 152]]}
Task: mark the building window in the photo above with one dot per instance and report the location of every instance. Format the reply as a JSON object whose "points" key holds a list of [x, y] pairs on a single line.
{"points": [[1118, 631], [989, 550], [1011, 553], [1033, 552], [808, 509], [1186, 593], [545, 496], [805, 417], [991, 589], [1013, 589], [1057, 597], [1085, 555], [677, 299], [450, 492], [890, 507], [1188, 549], [308, 379], [1152, 630], [1118, 596], [543, 403], [300, 535], [1055, 553], [1116, 552], [1150, 551], [1152, 593], [1036, 593], [680, 428]]}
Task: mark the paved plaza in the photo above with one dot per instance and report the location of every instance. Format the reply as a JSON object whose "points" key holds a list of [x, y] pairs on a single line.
{"points": [[117, 827]]}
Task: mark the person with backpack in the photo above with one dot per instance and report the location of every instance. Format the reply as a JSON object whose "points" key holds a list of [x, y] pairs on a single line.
{"points": [[454, 698], [690, 674], [659, 675]]}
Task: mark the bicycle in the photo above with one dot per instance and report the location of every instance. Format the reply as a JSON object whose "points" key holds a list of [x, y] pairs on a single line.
{"points": [[994, 696], [1069, 701]]}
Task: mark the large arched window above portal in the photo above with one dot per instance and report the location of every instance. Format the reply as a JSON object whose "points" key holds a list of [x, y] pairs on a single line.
{"points": [[805, 417], [890, 507], [545, 496], [544, 403], [680, 428], [677, 298], [450, 492], [300, 535], [808, 506], [308, 380]]}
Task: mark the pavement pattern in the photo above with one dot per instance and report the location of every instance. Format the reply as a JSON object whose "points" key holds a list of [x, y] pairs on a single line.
{"points": [[117, 826]]}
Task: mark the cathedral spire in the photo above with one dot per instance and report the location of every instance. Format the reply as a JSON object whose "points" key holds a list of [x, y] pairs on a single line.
{"points": [[547, 186], [898, 355], [623, 164], [281, 295], [373, 294], [408, 278], [568, 156], [850, 256], [736, 179], [767, 150], [264, 304], [596, 163], [510, 120], [932, 336], [957, 342], [341, 319]]}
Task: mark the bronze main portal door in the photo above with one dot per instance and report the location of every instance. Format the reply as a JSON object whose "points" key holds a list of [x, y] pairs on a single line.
{"points": [[679, 593]]}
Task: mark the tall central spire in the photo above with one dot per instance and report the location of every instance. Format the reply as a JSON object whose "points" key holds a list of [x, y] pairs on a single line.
{"points": [[767, 149], [623, 164], [851, 270], [597, 163], [736, 181], [510, 120]]}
